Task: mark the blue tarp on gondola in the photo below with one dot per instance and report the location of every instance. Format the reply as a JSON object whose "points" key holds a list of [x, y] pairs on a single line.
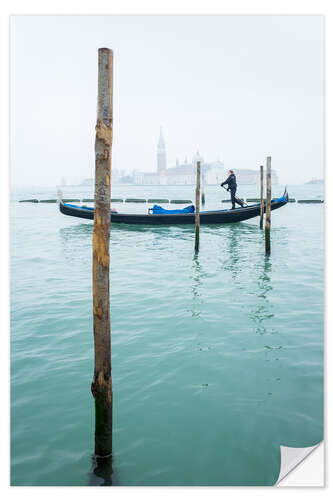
{"points": [[160, 210]]}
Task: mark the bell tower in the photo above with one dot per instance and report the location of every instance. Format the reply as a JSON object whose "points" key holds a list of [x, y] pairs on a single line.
{"points": [[161, 153]]}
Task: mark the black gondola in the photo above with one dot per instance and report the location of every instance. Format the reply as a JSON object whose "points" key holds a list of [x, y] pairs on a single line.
{"points": [[206, 217]]}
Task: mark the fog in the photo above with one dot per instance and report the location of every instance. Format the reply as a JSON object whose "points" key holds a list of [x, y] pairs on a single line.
{"points": [[237, 88]]}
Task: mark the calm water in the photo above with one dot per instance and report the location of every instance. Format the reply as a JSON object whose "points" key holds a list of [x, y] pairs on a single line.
{"points": [[217, 359]]}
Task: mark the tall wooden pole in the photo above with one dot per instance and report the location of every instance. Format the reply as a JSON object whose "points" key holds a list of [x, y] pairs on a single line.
{"points": [[261, 225], [268, 206], [101, 386], [197, 209]]}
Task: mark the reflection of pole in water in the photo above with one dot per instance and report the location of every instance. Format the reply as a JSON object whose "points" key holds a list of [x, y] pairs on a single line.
{"points": [[197, 274], [232, 250], [264, 278], [262, 311], [101, 474]]}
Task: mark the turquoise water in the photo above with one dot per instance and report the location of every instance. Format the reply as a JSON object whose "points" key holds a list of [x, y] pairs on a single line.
{"points": [[217, 359]]}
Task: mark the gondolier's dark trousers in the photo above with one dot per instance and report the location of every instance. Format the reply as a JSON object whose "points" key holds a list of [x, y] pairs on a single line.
{"points": [[233, 197]]}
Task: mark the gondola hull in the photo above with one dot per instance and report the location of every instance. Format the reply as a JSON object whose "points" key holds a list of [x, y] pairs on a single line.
{"points": [[206, 217]]}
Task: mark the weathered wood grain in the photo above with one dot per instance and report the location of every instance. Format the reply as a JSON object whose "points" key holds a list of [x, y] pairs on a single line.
{"points": [[102, 383]]}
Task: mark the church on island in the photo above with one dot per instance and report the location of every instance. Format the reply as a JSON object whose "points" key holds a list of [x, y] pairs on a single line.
{"points": [[185, 173]]}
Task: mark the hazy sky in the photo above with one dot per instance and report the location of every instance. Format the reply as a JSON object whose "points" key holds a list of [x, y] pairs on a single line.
{"points": [[234, 87]]}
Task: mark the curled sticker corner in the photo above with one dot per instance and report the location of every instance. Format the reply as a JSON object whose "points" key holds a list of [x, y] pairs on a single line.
{"points": [[291, 458]]}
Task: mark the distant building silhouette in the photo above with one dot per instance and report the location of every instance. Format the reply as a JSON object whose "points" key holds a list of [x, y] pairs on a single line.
{"points": [[161, 154], [315, 181], [181, 173], [185, 173], [87, 182]]}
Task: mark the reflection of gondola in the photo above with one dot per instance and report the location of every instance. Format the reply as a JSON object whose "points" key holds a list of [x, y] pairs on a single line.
{"points": [[206, 217]]}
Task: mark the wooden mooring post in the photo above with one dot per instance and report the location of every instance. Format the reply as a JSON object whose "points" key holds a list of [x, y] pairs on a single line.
{"points": [[268, 206], [197, 209], [261, 225], [101, 386]]}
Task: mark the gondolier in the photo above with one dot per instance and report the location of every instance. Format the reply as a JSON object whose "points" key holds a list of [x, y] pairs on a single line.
{"points": [[232, 187]]}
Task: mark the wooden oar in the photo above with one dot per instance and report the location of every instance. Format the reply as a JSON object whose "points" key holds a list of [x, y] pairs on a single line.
{"points": [[239, 201]]}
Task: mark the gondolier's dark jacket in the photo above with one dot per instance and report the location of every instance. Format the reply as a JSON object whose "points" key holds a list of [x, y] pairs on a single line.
{"points": [[231, 181]]}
